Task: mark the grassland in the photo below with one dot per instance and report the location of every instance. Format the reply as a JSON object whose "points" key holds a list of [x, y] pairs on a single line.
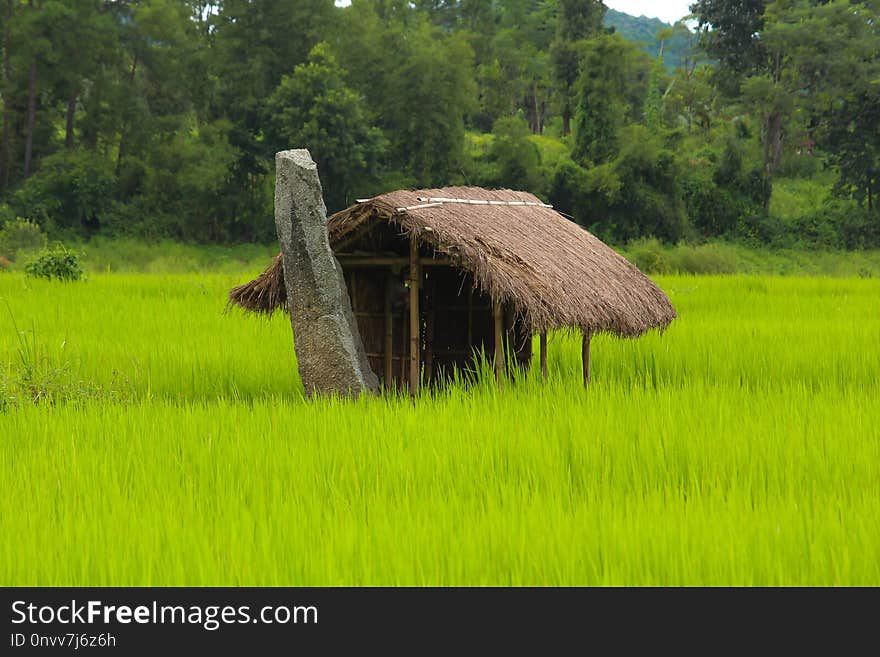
{"points": [[740, 447]]}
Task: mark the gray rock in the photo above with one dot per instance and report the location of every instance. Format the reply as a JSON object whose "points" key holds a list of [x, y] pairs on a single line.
{"points": [[329, 350]]}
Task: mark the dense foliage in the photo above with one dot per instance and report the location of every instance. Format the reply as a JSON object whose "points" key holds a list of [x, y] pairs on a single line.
{"points": [[160, 118]]}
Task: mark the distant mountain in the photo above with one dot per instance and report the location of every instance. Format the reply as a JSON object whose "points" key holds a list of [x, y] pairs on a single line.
{"points": [[644, 30]]}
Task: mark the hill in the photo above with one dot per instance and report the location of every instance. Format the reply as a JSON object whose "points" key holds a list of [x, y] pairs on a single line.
{"points": [[644, 30]]}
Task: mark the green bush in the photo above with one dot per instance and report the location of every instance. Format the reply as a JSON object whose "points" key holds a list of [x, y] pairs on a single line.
{"points": [[703, 259], [20, 235], [652, 257], [57, 262], [71, 191], [648, 255]]}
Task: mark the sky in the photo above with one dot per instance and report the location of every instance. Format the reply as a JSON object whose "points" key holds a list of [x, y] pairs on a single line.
{"points": [[666, 10]]}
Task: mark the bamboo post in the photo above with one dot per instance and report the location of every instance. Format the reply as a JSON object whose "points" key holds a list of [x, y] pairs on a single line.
{"points": [[389, 333], [544, 354], [508, 339], [430, 323], [470, 313], [414, 279], [499, 340], [585, 358]]}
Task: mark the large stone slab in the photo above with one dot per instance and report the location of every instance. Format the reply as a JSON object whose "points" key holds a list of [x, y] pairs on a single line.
{"points": [[329, 350]]}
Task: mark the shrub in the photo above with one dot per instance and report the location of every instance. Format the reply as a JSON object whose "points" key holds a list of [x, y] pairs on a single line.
{"points": [[20, 235], [703, 259], [70, 191], [652, 257], [648, 255], [57, 262]]}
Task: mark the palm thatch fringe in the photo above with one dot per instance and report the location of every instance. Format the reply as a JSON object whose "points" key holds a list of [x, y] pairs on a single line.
{"points": [[263, 295]]}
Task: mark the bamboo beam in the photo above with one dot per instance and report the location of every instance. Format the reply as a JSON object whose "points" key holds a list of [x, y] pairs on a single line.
{"points": [[414, 280], [389, 333], [498, 313], [585, 357], [544, 354]]}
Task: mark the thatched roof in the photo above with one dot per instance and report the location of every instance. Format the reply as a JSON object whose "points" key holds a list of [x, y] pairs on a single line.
{"points": [[553, 272]]}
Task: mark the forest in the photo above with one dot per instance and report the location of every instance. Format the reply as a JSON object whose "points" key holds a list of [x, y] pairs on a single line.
{"points": [[157, 119]]}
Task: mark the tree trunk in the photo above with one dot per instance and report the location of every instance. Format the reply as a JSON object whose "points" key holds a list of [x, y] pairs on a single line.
{"points": [[71, 112], [773, 134], [772, 149], [539, 118], [121, 150], [566, 121], [91, 128], [31, 118], [7, 112]]}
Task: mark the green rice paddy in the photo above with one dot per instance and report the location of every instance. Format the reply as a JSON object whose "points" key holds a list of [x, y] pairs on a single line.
{"points": [[170, 445]]}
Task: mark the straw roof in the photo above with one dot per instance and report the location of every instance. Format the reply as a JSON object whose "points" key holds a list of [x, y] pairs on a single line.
{"points": [[520, 251]]}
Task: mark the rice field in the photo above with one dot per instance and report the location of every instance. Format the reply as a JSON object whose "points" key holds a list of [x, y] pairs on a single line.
{"points": [[170, 445]]}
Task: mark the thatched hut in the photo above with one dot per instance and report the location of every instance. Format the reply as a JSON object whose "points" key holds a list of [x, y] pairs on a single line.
{"points": [[437, 275]]}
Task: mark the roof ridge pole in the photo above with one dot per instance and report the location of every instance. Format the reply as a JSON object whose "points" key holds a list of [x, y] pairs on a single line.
{"points": [[585, 357], [414, 320], [499, 340]]}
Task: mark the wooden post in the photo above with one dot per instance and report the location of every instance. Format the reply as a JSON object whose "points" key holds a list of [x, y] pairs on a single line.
{"points": [[430, 322], [499, 340], [509, 339], [585, 358], [544, 354], [470, 318], [414, 320], [389, 333]]}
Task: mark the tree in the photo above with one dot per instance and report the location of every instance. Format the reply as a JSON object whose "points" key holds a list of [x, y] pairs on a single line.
{"points": [[810, 51], [637, 192], [315, 109], [254, 43], [849, 124], [516, 158], [576, 21], [610, 91], [691, 99], [655, 96], [730, 32], [431, 92], [9, 7]]}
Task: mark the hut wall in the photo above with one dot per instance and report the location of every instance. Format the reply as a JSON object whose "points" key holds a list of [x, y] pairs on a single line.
{"points": [[455, 322], [366, 287]]}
